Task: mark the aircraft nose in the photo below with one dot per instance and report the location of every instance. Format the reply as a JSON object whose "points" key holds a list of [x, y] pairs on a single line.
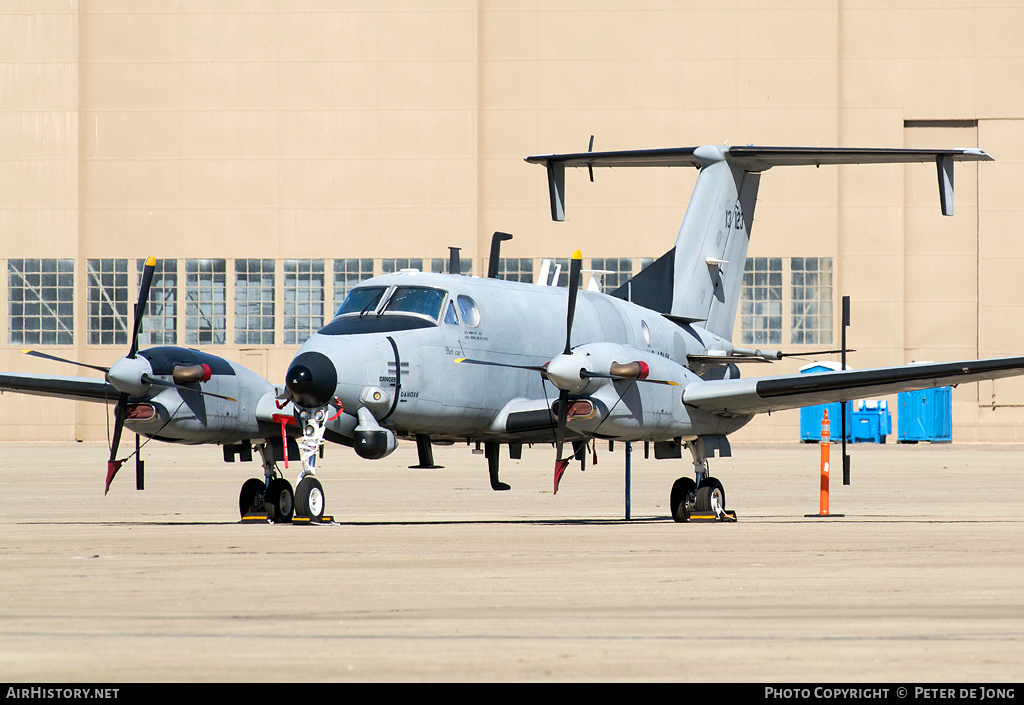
{"points": [[311, 380]]}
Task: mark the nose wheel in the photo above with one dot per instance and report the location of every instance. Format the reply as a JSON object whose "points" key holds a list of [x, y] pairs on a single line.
{"points": [[309, 499]]}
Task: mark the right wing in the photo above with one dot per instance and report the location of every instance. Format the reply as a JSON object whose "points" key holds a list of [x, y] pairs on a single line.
{"points": [[79, 388], [741, 397]]}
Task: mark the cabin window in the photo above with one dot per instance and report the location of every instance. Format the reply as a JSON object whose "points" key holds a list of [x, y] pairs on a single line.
{"points": [[361, 300], [469, 310], [416, 299]]}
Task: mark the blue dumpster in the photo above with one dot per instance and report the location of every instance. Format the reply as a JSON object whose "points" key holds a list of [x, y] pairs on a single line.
{"points": [[925, 415], [871, 421]]}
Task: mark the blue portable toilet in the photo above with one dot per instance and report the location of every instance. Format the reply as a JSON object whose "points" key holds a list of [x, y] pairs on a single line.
{"points": [[810, 416], [925, 415]]}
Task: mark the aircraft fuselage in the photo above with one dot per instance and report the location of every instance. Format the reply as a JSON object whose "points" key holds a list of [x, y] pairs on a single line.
{"points": [[406, 351]]}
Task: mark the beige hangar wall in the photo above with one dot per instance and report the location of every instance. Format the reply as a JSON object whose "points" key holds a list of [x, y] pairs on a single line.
{"points": [[332, 131]]}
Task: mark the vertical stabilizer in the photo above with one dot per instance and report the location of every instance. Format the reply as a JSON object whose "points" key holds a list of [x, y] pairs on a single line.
{"points": [[711, 247]]}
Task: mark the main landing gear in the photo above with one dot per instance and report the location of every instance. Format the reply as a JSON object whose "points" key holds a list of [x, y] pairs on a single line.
{"points": [[273, 498], [700, 500]]}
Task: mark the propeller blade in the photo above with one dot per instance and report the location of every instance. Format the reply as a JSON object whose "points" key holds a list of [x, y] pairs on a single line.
{"points": [[575, 269], [533, 368], [563, 416], [161, 383], [140, 307], [36, 353], [113, 464]]}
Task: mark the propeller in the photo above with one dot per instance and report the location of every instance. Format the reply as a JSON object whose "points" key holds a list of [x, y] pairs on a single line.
{"points": [[575, 269], [568, 375], [131, 375], [121, 409]]}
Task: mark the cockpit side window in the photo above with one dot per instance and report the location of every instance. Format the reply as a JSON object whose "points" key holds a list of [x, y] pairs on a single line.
{"points": [[416, 299], [470, 312], [361, 300], [449, 314]]}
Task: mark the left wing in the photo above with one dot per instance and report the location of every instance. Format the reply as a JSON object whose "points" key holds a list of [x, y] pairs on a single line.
{"points": [[80, 388], [740, 397]]}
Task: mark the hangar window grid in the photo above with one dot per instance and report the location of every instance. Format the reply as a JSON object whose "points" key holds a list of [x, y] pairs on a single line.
{"points": [[562, 264], [347, 274], [160, 324], [616, 271], [107, 301], [397, 264], [439, 265], [254, 302], [205, 302], [761, 301], [40, 301], [811, 300], [515, 269], [303, 299]]}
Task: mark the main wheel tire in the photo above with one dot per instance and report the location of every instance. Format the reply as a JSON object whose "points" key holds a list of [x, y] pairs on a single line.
{"points": [[279, 501], [250, 499], [711, 487], [680, 497], [309, 498]]}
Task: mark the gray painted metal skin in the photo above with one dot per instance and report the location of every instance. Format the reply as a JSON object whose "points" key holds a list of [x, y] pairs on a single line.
{"points": [[522, 324], [395, 374]]}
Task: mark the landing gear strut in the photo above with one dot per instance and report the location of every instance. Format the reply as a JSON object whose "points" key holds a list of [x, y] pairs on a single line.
{"points": [[271, 497], [704, 497]]}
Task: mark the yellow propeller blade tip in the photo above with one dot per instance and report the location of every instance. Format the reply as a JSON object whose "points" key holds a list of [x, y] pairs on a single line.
{"points": [[576, 254], [460, 359], [151, 261]]}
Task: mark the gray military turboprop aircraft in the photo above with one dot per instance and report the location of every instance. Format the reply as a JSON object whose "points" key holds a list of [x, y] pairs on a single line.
{"points": [[443, 358]]}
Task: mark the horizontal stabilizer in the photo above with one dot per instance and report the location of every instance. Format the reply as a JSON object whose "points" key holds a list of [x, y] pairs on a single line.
{"points": [[760, 395], [752, 159]]}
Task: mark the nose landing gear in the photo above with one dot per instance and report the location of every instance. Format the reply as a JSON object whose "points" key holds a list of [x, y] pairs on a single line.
{"points": [[273, 498]]}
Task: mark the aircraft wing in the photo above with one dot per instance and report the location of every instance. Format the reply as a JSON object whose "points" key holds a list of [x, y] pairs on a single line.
{"points": [[740, 397], [80, 388]]}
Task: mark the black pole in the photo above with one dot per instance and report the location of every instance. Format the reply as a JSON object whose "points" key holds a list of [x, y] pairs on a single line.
{"points": [[846, 458]]}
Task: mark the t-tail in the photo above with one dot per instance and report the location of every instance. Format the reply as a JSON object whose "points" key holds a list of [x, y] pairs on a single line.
{"points": [[699, 280]]}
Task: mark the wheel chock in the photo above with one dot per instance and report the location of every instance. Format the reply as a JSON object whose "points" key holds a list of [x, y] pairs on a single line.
{"points": [[255, 518], [709, 516], [308, 521]]}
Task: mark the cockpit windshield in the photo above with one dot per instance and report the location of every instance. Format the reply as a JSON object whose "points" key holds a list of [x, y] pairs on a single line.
{"points": [[361, 300], [416, 299]]}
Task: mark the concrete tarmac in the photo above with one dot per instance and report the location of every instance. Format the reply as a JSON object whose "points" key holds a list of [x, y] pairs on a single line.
{"points": [[429, 575]]}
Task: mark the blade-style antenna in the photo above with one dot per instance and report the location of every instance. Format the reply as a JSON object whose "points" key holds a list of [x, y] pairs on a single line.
{"points": [[590, 167]]}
